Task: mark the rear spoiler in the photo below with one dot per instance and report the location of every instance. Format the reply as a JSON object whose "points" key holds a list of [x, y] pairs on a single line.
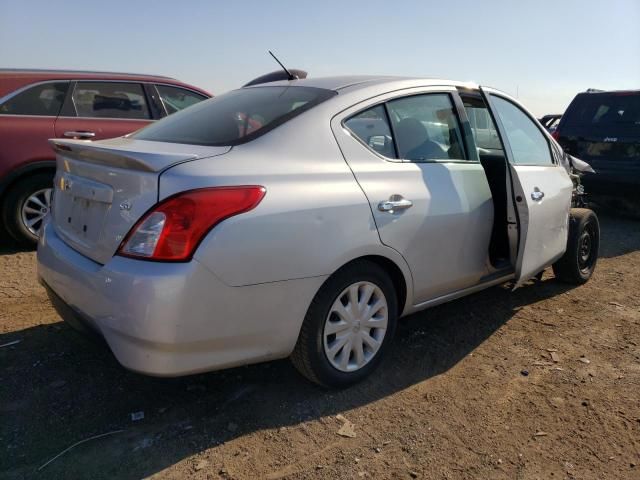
{"points": [[276, 76], [116, 156]]}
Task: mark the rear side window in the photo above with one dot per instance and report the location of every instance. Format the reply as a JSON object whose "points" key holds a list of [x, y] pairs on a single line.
{"points": [[110, 100], [604, 109], [372, 128], [44, 99], [426, 128], [175, 99], [528, 145], [235, 117]]}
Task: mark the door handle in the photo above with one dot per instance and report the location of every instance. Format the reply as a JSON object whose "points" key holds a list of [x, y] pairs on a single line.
{"points": [[537, 195], [395, 203], [79, 134]]}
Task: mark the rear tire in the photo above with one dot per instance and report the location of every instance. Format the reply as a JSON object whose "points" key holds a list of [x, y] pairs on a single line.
{"points": [[20, 206], [365, 336], [579, 261]]}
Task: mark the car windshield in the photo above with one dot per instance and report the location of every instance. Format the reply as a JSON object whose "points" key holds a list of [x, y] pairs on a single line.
{"points": [[605, 109], [235, 117]]}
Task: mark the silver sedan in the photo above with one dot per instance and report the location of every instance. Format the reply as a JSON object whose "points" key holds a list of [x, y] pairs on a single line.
{"points": [[303, 218]]}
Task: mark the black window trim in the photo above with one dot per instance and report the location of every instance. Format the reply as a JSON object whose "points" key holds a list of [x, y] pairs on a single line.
{"points": [[502, 131], [452, 94], [155, 105], [24, 88], [477, 93]]}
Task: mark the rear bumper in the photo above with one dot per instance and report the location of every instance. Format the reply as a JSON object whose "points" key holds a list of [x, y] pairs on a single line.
{"points": [[171, 319], [74, 318]]}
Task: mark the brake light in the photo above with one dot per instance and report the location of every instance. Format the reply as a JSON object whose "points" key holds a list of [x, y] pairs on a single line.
{"points": [[555, 135], [173, 229]]}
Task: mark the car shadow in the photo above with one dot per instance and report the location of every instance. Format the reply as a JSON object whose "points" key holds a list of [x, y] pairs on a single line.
{"points": [[619, 235], [8, 245], [58, 388]]}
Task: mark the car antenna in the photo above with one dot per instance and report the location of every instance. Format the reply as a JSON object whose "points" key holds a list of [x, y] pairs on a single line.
{"points": [[289, 74]]}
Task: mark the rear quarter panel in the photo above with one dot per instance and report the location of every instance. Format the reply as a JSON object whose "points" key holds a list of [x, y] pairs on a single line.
{"points": [[314, 217]]}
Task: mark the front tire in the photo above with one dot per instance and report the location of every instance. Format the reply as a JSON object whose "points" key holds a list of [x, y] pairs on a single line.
{"points": [[348, 327], [25, 206], [579, 261]]}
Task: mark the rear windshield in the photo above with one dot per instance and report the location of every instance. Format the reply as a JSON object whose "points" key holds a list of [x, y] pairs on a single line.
{"points": [[604, 109], [235, 117]]}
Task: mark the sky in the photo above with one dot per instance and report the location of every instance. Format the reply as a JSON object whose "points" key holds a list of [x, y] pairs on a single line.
{"points": [[543, 52]]}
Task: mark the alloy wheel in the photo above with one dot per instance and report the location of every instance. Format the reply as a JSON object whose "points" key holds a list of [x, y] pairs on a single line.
{"points": [[35, 208]]}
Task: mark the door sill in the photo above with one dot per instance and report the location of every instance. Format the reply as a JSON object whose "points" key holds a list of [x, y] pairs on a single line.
{"points": [[487, 281], [502, 272]]}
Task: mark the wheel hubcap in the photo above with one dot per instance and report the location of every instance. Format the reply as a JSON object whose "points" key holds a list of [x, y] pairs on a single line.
{"points": [[35, 208], [356, 326]]}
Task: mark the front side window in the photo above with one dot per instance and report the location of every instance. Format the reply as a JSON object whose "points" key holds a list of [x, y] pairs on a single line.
{"points": [[235, 117], [528, 145], [175, 98], [372, 128], [426, 128], [110, 100], [44, 99]]}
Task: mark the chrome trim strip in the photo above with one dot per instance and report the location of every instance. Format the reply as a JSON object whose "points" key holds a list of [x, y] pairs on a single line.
{"points": [[31, 116], [120, 119]]}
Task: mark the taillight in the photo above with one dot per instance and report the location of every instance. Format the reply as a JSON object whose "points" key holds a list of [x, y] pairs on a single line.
{"points": [[555, 135], [172, 230]]}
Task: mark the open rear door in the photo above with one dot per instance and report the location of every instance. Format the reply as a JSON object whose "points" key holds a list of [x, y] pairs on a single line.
{"points": [[542, 202], [540, 189]]}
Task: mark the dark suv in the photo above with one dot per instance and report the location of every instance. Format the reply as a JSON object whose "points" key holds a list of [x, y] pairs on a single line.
{"points": [[603, 128], [36, 105]]}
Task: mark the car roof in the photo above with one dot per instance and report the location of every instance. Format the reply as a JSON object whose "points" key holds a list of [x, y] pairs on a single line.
{"points": [[358, 82], [45, 74], [593, 91], [13, 79]]}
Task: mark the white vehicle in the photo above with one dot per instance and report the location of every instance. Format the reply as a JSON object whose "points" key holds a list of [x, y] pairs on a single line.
{"points": [[302, 218]]}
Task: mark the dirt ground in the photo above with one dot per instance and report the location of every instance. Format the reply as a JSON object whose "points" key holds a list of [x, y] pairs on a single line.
{"points": [[451, 401]]}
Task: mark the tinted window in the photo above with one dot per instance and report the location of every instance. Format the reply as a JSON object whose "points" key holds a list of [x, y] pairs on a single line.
{"points": [[372, 128], [482, 126], [110, 100], [175, 99], [235, 117], [604, 110], [44, 99], [426, 128], [528, 144]]}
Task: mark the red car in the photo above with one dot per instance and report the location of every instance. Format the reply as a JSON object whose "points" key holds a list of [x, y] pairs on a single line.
{"points": [[36, 105]]}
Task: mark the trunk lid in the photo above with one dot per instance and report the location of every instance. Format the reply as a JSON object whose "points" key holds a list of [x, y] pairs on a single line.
{"points": [[103, 188]]}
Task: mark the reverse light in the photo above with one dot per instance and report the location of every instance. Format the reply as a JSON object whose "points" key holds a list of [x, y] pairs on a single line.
{"points": [[173, 229]]}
